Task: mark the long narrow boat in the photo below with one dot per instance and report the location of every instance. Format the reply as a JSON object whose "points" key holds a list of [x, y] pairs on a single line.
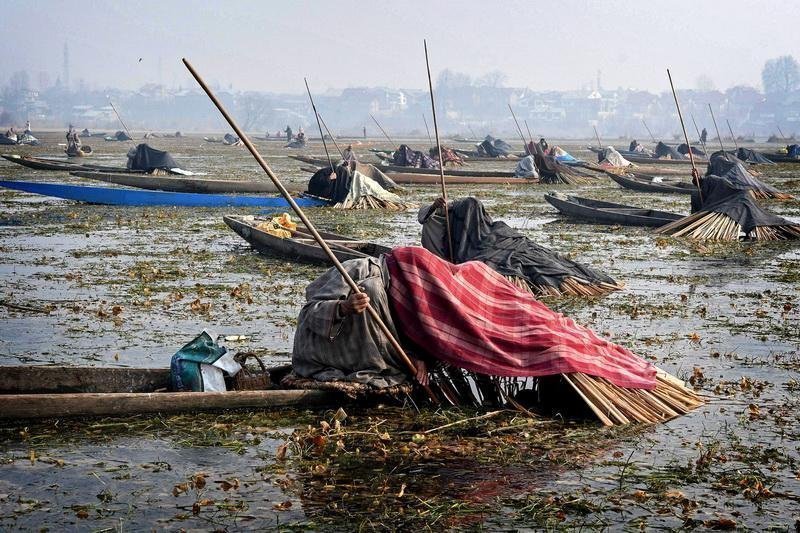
{"points": [[636, 157], [39, 163], [644, 183], [301, 245], [132, 197], [393, 169], [57, 391], [601, 212], [180, 184], [781, 158]]}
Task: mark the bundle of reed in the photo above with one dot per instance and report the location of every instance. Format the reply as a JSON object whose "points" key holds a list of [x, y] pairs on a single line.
{"points": [[776, 195], [570, 286], [611, 404], [373, 202], [712, 226]]}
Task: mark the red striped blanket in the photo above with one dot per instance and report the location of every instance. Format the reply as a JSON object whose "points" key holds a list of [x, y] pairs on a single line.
{"points": [[470, 316]]}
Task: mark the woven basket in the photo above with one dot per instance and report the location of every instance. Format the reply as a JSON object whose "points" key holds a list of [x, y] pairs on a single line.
{"points": [[248, 379]]}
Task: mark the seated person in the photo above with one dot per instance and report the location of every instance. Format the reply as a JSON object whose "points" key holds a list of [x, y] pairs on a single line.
{"points": [[467, 316]]}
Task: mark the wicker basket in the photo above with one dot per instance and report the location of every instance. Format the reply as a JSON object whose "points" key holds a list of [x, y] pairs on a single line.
{"points": [[248, 379]]}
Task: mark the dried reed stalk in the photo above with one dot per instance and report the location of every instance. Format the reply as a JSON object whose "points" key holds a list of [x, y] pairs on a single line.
{"points": [[711, 226], [569, 287]]}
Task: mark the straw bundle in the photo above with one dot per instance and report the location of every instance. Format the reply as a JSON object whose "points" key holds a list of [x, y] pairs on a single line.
{"points": [[711, 226], [764, 195], [611, 404], [570, 286], [372, 202]]}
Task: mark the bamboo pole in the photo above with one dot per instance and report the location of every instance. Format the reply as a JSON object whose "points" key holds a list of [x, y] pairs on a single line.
{"points": [[599, 144], [120, 119], [472, 132], [322, 135], [732, 135], [341, 154], [430, 141], [439, 148], [719, 137], [521, 136], [311, 229], [382, 130], [528, 130], [699, 136], [782, 135], [695, 173], [648, 131]]}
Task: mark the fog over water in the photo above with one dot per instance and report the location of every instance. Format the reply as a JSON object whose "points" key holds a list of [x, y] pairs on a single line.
{"points": [[270, 46]]}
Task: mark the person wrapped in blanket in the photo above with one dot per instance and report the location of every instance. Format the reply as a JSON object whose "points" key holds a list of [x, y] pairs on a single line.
{"points": [[466, 315], [476, 237]]}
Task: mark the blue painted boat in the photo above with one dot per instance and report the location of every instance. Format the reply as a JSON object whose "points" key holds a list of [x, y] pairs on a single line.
{"points": [[133, 197]]}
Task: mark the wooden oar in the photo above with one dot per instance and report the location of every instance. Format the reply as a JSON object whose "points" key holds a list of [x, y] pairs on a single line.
{"points": [[382, 130], [719, 137], [301, 214], [521, 136], [439, 148], [695, 173], [782, 135], [322, 135], [599, 144], [528, 130], [331, 136]]}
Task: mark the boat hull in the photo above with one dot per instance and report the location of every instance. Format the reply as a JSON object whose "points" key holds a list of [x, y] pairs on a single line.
{"points": [[642, 185], [130, 197], [180, 184], [609, 213]]}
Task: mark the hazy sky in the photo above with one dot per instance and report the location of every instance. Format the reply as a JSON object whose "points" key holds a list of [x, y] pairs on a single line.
{"points": [[271, 45]]}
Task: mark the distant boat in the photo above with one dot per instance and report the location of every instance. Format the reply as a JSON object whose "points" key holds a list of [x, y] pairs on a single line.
{"points": [[131, 197]]}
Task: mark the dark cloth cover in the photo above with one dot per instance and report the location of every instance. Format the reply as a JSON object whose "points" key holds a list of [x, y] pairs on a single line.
{"points": [[720, 195], [663, 150], [793, 150], [146, 158], [404, 156], [751, 156], [336, 190], [737, 175], [476, 237], [491, 147], [122, 136], [684, 149]]}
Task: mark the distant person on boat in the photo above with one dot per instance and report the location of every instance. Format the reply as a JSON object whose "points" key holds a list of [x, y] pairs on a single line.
{"points": [[349, 156], [634, 144], [364, 129], [11, 134], [703, 136], [301, 136], [289, 133], [543, 144], [266, 135], [27, 128]]}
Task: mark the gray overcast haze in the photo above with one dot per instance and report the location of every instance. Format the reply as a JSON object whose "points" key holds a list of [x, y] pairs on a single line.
{"points": [[270, 46]]}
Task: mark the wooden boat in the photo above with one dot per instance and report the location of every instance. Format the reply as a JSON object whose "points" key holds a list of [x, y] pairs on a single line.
{"points": [[39, 163], [301, 246], [57, 391], [180, 184], [636, 157], [644, 183], [430, 176], [601, 212], [781, 158], [133, 197]]}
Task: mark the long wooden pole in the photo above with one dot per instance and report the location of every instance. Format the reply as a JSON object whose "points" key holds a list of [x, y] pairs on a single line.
{"points": [[472, 132], [120, 119], [521, 136], [302, 216], [528, 130], [599, 144], [719, 137], [331, 135], [782, 135], [695, 173], [430, 141], [648, 131], [732, 135], [439, 148], [699, 136], [321, 135], [382, 130]]}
